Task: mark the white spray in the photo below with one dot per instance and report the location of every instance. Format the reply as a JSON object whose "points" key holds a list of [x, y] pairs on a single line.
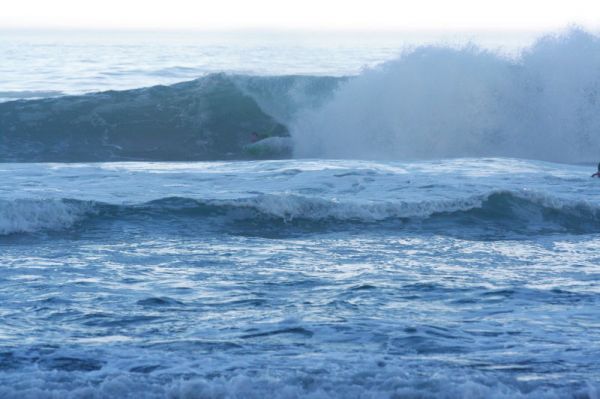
{"points": [[437, 102]]}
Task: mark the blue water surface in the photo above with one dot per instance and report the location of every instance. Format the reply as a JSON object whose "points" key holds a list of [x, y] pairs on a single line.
{"points": [[300, 278]]}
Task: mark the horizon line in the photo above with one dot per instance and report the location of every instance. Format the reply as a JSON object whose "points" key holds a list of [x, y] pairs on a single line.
{"points": [[266, 30]]}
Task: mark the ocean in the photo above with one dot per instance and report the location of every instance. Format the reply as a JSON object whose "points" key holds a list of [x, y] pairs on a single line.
{"points": [[416, 220]]}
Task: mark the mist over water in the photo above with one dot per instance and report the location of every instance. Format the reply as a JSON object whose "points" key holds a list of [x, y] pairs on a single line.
{"points": [[438, 102]]}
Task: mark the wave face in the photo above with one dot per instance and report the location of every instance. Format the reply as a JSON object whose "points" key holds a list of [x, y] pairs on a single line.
{"points": [[506, 211], [205, 119], [437, 102]]}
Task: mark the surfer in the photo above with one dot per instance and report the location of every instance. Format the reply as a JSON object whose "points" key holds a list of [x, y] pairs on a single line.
{"points": [[597, 174], [255, 136]]}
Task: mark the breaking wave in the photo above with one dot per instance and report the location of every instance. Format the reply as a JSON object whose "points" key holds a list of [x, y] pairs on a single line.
{"points": [[205, 119], [30, 216], [506, 210], [360, 385], [431, 102], [440, 102]]}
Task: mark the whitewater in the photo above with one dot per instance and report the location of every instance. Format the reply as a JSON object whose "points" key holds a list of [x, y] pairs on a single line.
{"points": [[416, 222]]}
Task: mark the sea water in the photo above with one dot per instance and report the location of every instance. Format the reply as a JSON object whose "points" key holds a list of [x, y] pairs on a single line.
{"points": [[51, 63], [471, 270]]}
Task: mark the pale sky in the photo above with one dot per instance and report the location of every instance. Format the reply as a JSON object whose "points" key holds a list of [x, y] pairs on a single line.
{"points": [[301, 14]]}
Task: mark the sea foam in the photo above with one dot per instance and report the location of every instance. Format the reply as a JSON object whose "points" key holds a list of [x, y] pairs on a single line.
{"points": [[29, 215], [440, 102]]}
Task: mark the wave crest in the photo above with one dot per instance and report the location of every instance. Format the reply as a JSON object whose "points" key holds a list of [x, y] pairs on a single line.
{"points": [[29, 215], [510, 210]]}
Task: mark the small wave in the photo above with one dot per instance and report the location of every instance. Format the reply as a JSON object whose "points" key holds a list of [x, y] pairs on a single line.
{"points": [[29, 215], [400, 383], [510, 210]]}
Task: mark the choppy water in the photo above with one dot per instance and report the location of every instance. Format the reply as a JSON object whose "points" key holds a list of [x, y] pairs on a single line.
{"points": [[475, 277], [312, 278]]}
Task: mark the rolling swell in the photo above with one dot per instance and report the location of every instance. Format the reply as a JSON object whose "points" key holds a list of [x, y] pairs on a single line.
{"points": [[508, 211]]}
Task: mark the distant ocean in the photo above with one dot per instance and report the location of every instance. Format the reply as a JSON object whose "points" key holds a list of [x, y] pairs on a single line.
{"points": [[413, 218]]}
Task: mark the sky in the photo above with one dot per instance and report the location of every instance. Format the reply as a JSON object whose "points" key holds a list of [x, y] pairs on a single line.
{"points": [[458, 15]]}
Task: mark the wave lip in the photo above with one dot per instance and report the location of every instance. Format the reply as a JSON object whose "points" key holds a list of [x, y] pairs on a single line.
{"points": [[12, 95], [291, 206]]}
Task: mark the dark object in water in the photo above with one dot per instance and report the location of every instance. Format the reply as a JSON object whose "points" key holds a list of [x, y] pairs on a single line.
{"points": [[597, 174]]}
